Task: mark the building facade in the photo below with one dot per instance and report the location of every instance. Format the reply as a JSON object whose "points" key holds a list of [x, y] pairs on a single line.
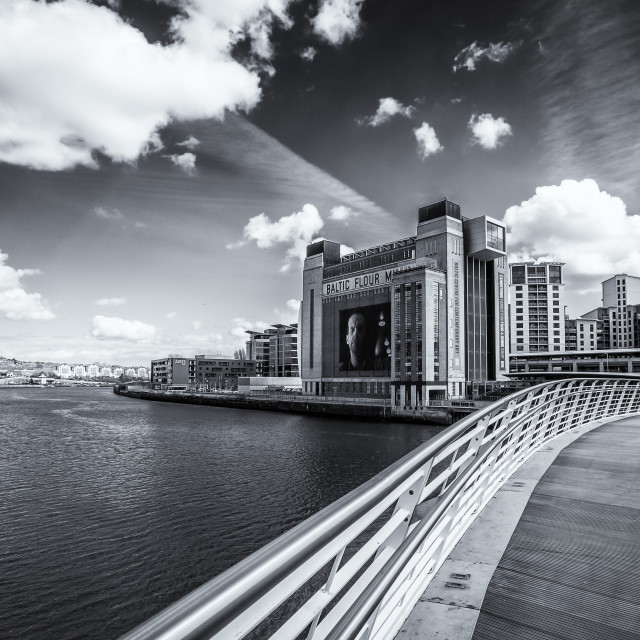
{"points": [[221, 373], [581, 334], [168, 373], [411, 320], [203, 372], [536, 293], [275, 350]]}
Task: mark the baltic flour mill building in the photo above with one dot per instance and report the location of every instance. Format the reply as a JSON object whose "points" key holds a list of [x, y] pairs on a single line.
{"points": [[413, 319]]}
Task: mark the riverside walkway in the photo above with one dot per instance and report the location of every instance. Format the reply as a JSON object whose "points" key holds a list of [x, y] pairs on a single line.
{"points": [[570, 568]]}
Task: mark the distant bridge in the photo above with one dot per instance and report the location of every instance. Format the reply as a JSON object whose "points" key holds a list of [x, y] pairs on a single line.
{"points": [[357, 569]]}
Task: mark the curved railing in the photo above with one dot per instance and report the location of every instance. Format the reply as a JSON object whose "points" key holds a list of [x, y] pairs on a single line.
{"points": [[356, 569]]}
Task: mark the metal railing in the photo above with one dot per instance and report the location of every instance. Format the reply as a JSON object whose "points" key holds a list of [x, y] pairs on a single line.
{"points": [[356, 569]]}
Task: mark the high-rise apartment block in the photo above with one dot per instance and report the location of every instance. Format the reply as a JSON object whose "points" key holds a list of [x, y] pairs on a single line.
{"points": [[619, 316], [275, 351], [537, 307]]}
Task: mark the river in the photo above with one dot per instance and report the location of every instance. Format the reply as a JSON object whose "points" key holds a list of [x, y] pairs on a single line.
{"points": [[112, 508]]}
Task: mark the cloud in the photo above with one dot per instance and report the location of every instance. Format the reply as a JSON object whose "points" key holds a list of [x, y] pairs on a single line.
{"points": [[78, 79], [241, 326], [577, 223], [191, 142], [296, 230], [196, 325], [342, 213], [345, 249], [171, 314], [290, 313], [110, 302], [15, 302], [428, 142], [387, 108], [308, 54], [469, 57], [108, 214], [489, 132], [133, 330], [186, 161], [337, 20]]}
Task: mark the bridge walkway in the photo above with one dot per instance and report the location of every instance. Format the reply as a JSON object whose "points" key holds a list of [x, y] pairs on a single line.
{"points": [[571, 567]]}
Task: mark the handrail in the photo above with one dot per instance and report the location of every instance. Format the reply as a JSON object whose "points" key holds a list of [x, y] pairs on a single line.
{"points": [[376, 577]]}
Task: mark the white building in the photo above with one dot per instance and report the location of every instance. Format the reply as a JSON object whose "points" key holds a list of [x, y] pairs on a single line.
{"points": [[620, 294], [93, 371], [142, 372], [106, 372], [79, 371], [536, 293], [130, 372], [64, 371], [118, 371]]}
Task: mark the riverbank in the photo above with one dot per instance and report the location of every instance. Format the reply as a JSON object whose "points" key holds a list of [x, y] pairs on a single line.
{"points": [[304, 405]]}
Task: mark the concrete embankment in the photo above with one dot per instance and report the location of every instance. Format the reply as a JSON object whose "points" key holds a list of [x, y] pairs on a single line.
{"points": [[360, 411]]}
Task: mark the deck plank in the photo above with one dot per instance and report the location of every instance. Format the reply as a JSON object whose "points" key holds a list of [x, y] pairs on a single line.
{"points": [[571, 570]]}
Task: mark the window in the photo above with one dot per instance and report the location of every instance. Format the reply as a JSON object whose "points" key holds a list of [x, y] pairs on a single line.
{"points": [[519, 287], [519, 348], [556, 325], [518, 295], [495, 236], [519, 333], [556, 340], [520, 340], [517, 275], [519, 325], [556, 295], [554, 274]]}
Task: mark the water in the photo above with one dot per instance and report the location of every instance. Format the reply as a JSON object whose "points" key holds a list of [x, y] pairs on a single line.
{"points": [[113, 508]]}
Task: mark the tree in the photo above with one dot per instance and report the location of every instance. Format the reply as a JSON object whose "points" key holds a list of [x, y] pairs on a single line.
{"points": [[240, 354]]}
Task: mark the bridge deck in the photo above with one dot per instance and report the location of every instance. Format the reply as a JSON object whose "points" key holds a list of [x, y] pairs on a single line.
{"points": [[572, 567]]}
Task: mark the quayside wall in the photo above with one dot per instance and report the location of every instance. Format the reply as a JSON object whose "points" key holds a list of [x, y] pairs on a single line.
{"points": [[354, 410]]}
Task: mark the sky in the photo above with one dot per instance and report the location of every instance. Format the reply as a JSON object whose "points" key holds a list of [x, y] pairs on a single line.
{"points": [[164, 163]]}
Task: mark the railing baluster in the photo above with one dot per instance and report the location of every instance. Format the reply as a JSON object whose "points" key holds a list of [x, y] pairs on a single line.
{"points": [[399, 557]]}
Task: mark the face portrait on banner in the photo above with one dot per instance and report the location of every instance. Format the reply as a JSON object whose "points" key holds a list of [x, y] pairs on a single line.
{"points": [[365, 339]]}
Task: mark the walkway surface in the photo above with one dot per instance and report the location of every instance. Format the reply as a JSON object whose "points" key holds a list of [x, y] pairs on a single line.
{"points": [[572, 566], [557, 553]]}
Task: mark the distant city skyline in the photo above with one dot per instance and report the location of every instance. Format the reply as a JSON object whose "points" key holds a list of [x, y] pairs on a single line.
{"points": [[163, 165]]}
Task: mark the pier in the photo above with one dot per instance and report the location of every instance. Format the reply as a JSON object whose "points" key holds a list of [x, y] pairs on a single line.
{"points": [[519, 521]]}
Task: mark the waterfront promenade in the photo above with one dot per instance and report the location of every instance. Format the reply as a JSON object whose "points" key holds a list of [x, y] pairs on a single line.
{"points": [[555, 553]]}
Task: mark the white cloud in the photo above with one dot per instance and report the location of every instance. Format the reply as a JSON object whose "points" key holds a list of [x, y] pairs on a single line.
{"points": [[337, 20], [108, 214], [489, 132], [77, 78], [577, 223], [469, 57], [196, 325], [308, 54], [133, 330], [290, 313], [15, 302], [387, 108], [110, 302], [296, 230], [186, 161], [241, 326], [428, 142], [342, 213], [171, 314], [190, 143], [345, 249]]}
